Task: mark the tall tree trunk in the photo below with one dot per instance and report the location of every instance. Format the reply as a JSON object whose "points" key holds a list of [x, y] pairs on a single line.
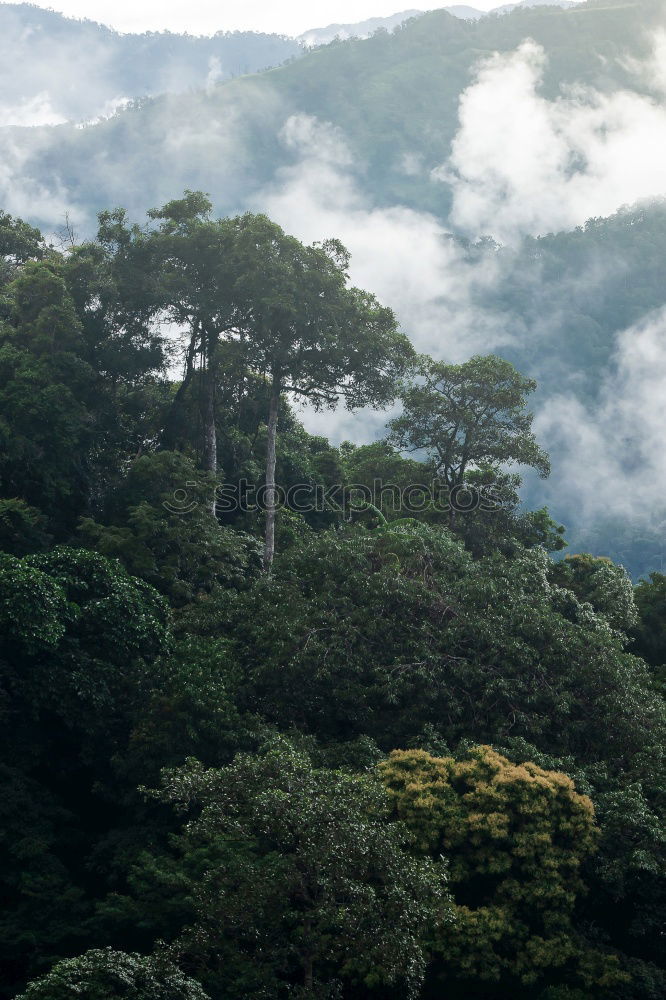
{"points": [[169, 436], [273, 408], [209, 453]]}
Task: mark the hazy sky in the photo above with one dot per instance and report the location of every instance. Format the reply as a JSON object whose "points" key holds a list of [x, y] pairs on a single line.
{"points": [[208, 16]]}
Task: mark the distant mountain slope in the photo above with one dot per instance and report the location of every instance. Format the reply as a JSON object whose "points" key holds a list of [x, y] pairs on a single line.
{"points": [[395, 98], [364, 29], [54, 68], [465, 12], [361, 29], [506, 8], [586, 313]]}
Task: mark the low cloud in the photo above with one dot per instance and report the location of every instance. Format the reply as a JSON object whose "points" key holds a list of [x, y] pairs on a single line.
{"points": [[215, 74], [24, 196], [54, 69], [107, 110], [607, 453], [521, 163], [37, 110], [610, 452], [651, 72], [405, 257]]}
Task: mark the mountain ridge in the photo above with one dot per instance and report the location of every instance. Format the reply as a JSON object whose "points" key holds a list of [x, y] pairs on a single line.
{"points": [[393, 95], [363, 29], [55, 69]]}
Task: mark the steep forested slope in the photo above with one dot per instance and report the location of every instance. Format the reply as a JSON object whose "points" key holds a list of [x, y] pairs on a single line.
{"points": [[517, 737]]}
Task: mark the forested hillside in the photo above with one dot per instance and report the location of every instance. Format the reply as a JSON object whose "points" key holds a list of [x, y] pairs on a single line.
{"points": [[391, 95], [284, 719], [55, 69], [499, 183]]}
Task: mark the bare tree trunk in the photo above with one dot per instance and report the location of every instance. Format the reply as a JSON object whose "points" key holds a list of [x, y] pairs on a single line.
{"points": [[209, 453], [269, 546], [170, 430]]}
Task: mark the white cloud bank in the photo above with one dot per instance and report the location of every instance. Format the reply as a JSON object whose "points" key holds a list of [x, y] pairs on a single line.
{"points": [[405, 257], [611, 453], [23, 196], [652, 71], [521, 163], [608, 454], [37, 110]]}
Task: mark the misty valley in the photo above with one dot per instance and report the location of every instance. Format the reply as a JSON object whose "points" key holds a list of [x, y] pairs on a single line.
{"points": [[333, 505]]}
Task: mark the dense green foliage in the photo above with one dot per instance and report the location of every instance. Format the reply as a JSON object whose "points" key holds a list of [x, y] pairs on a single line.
{"points": [[650, 630], [418, 756], [517, 836], [105, 975], [180, 550], [307, 879]]}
